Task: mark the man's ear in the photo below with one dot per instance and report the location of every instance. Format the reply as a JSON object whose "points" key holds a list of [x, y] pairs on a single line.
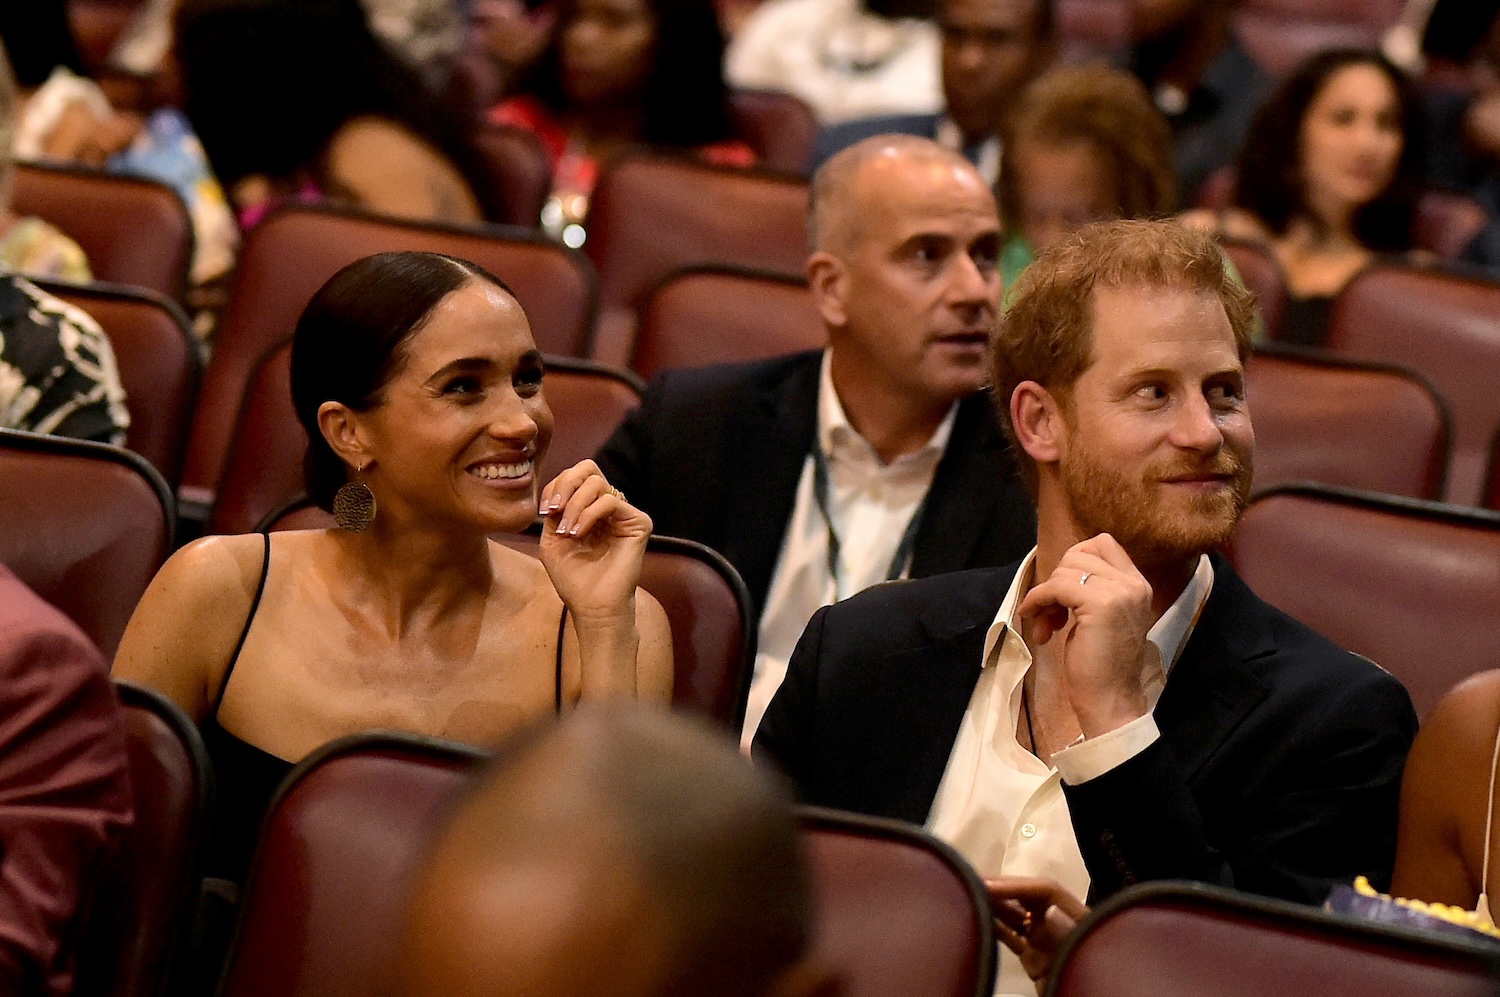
{"points": [[828, 280], [1037, 418], [341, 428]]}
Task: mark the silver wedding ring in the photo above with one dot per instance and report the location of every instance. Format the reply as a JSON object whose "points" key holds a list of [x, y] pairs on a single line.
{"points": [[1085, 577]]}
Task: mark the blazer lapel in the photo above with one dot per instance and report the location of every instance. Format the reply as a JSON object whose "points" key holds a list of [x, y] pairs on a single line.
{"points": [[970, 482], [769, 433], [1210, 690]]}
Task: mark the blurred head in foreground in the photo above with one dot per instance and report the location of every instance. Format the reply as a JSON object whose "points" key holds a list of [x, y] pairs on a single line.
{"points": [[619, 853]]}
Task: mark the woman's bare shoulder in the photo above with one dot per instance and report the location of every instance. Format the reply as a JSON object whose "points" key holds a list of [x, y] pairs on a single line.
{"points": [[1466, 719]]}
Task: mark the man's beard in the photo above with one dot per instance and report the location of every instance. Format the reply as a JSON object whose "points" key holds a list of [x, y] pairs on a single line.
{"points": [[1139, 512]]}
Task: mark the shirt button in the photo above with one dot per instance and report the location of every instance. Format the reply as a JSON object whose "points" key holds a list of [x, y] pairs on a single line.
{"points": [[1028, 830]]}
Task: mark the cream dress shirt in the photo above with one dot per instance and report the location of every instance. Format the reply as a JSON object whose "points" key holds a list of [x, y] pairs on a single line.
{"points": [[872, 504], [1001, 806]]}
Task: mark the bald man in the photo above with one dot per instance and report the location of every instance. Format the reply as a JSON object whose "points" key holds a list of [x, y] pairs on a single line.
{"points": [[822, 473], [619, 853]]}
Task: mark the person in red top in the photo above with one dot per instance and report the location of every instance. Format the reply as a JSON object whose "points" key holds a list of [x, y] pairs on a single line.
{"points": [[622, 74], [65, 796]]}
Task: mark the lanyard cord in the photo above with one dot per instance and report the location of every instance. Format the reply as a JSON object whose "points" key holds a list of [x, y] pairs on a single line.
{"points": [[821, 490]]}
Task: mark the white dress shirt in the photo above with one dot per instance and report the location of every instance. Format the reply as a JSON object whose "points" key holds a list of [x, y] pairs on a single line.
{"points": [[871, 504], [1001, 806]]}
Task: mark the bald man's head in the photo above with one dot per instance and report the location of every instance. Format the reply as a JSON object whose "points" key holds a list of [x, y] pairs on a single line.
{"points": [[845, 186], [620, 852]]}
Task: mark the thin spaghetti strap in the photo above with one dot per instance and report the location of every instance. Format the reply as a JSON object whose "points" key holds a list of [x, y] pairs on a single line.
{"points": [[562, 625], [265, 569], [1489, 816]]}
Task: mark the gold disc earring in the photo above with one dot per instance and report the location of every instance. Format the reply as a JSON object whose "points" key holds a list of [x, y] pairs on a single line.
{"points": [[354, 505]]}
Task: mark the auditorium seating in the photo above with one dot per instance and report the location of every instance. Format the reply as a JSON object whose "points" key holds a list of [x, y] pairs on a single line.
{"points": [[706, 315], [1492, 489], [1335, 421], [1189, 939], [136, 936], [1261, 273], [1413, 586], [653, 215], [1093, 29], [781, 128], [1447, 222], [323, 906], [1444, 326], [158, 362], [84, 525], [899, 913], [134, 231], [287, 257], [264, 469], [1280, 34], [518, 169]]}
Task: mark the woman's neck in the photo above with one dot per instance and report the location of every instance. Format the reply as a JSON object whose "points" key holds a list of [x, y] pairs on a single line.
{"points": [[424, 576]]}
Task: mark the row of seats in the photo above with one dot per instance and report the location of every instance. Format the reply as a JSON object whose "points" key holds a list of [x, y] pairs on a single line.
{"points": [[87, 526], [628, 303], [897, 912]]}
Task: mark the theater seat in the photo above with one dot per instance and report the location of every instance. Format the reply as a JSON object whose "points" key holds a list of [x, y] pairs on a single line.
{"points": [[1492, 489], [84, 525], [899, 913], [1262, 274], [1336, 421], [1447, 328], [287, 257], [519, 170], [1447, 222], [1413, 586], [322, 908], [651, 216], [1093, 29], [707, 315], [134, 231], [707, 606], [158, 361], [264, 470], [135, 938], [1280, 34], [1189, 939], [781, 128]]}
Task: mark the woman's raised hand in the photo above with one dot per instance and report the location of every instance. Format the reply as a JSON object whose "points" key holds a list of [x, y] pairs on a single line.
{"points": [[593, 542]]}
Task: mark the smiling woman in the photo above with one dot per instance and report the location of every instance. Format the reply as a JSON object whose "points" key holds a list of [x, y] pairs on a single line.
{"points": [[421, 389]]}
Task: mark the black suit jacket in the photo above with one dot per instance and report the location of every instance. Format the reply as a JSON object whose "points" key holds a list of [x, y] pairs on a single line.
{"points": [[1277, 771], [714, 454]]}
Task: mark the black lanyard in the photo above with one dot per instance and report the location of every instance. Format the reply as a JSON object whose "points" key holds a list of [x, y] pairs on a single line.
{"points": [[820, 494]]}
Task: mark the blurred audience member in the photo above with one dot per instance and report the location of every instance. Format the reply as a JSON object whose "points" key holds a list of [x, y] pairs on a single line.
{"points": [[1329, 178], [64, 788], [28, 244], [845, 58], [1200, 78], [38, 37], [1462, 47], [1445, 848], [990, 49], [617, 75], [823, 473], [1085, 144], [620, 853], [419, 385], [298, 100]]}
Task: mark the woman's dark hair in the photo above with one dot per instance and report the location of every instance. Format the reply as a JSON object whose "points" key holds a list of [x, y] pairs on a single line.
{"points": [[685, 101], [39, 39], [1269, 183], [267, 84], [352, 338]]}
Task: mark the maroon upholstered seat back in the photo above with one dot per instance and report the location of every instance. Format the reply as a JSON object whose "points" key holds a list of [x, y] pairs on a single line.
{"points": [[1262, 274], [781, 128], [1093, 28], [719, 314], [1337, 422], [84, 525], [264, 470], [519, 170], [1387, 578], [1446, 328], [323, 906], [134, 231], [1447, 222], [135, 937], [651, 216], [1492, 489], [899, 913], [1279, 34], [158, 361], [1187, 940], [291, 254]]}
